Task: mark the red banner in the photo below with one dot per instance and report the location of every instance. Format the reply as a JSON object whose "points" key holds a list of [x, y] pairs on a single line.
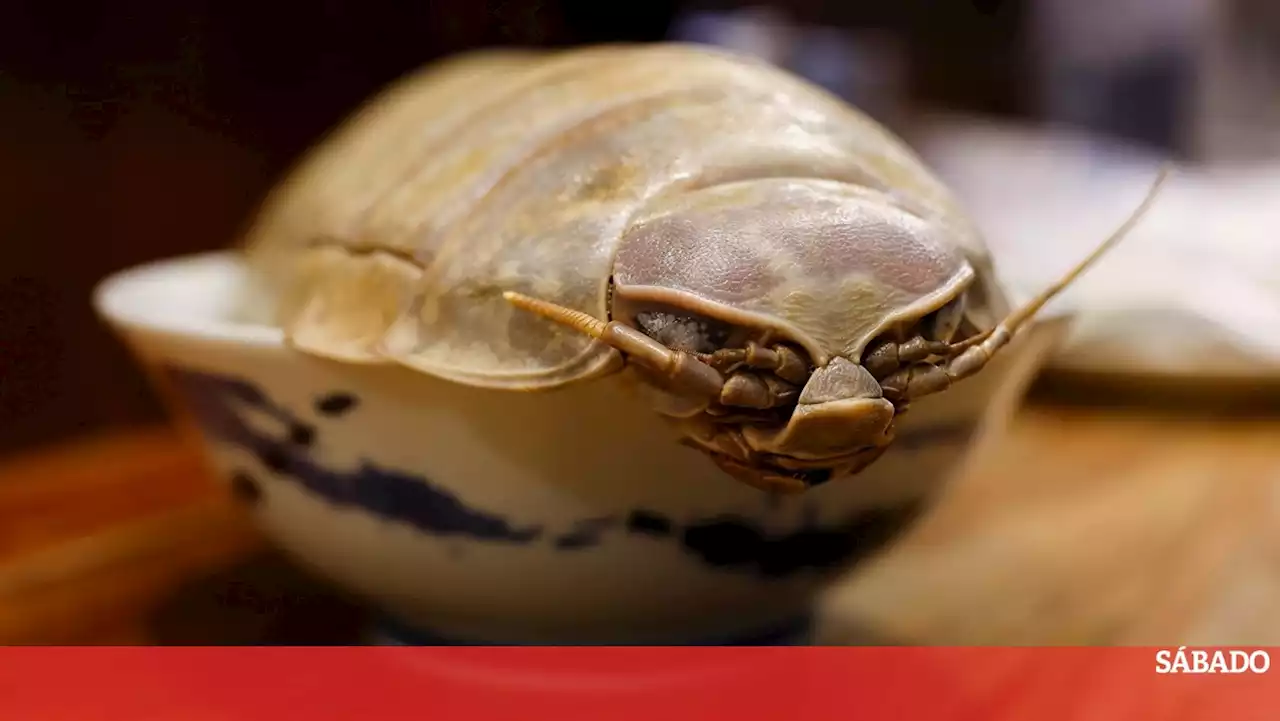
{"points": [[653, 684]]}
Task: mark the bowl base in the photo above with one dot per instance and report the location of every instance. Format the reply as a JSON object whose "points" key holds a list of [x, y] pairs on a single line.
{"points": [[390, 632]]}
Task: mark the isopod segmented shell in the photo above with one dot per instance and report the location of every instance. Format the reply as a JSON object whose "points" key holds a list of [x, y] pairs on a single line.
{"points": [[394, 240]]}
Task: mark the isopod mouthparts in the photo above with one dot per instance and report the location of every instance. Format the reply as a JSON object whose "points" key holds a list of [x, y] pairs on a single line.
{"points": [[797, 275]]}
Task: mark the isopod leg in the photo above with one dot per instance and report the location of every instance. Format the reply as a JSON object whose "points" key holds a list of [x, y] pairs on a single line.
{"points": [[887, 357], [783, 361]]}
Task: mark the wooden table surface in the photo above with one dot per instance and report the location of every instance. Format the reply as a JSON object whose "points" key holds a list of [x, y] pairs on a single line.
{"points": [[1082, 525]]}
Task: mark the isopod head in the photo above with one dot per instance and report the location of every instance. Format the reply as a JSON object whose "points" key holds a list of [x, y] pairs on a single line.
{"points": [[788, 323]]}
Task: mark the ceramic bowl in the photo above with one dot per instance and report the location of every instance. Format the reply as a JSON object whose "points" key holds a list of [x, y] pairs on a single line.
{"points": [[480, 516]]}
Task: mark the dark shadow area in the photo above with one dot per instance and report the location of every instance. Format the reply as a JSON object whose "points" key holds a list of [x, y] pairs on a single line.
{"points": [[265, 601]]}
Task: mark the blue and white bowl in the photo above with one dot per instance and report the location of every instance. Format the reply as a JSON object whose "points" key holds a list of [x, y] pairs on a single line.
{"points": [[483, 516]]}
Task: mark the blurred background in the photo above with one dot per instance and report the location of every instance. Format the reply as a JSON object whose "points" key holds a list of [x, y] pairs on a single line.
{"points": [[139, 129]]}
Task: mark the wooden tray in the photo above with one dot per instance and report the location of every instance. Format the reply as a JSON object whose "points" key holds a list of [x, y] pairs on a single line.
{"points": [[1083, 525]]}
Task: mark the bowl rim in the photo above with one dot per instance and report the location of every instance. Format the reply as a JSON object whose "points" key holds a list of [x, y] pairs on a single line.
{"points": [[134, 300]]}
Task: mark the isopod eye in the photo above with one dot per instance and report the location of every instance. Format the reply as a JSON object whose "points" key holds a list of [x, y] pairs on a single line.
{"points": [[684, 331], [944, 323]]}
